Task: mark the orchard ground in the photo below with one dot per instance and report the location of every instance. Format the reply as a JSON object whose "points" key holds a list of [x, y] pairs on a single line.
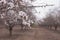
{"points": [[36, 33]]}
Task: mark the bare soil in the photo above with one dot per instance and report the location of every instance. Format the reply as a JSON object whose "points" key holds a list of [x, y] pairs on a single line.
{"points": [[36, 33]]}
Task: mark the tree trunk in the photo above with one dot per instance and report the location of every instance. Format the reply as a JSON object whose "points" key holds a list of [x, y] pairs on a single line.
{"points": [[55, 28], [10, 30]]}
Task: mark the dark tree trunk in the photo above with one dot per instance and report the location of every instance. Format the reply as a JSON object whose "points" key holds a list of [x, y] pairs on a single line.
{"points": [[10, 30], [55, 27], [22, 26]]}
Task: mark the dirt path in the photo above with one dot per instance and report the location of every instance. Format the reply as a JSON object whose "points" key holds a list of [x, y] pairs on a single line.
{"points": [[38, 33]]}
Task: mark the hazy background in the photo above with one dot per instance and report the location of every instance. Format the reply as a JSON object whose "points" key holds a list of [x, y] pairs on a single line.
{"points": [[42, 11]]}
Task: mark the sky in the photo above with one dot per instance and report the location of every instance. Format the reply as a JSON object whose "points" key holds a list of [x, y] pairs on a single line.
{"points": [[41, 12]]}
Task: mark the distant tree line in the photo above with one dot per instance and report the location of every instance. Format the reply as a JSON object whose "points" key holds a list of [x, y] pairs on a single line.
{"points": [[52, 19]]}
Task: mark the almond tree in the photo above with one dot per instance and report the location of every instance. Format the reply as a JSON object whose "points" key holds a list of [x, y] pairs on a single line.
{"points": [[11, 10]]}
